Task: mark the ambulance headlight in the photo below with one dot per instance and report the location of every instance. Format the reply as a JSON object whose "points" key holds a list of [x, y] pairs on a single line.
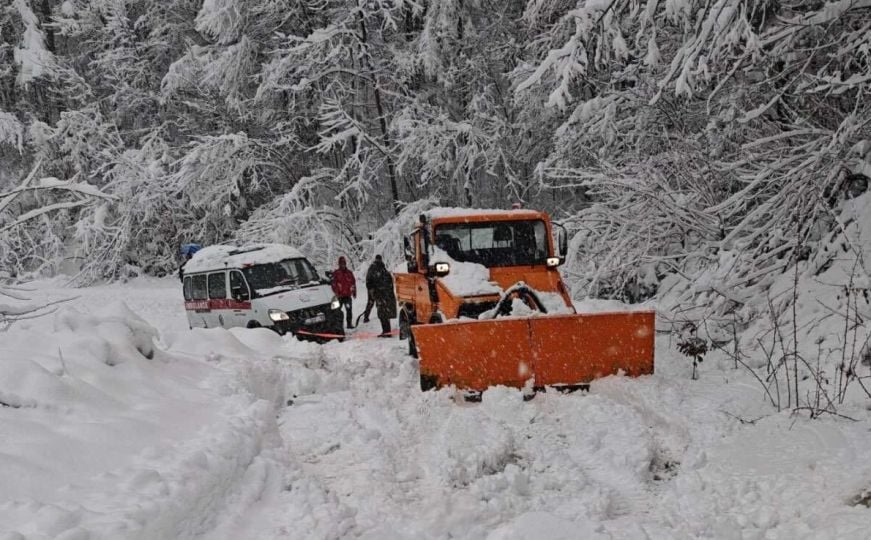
{"points": [[278, 315], [335, 304]]}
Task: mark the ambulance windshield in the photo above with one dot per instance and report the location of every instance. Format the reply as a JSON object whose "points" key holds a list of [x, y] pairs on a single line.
{"points": [[269, 278]]}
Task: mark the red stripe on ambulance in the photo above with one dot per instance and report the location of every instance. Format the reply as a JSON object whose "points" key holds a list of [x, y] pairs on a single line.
{"points": [[197, 305], [226, 303], [220, 303]]}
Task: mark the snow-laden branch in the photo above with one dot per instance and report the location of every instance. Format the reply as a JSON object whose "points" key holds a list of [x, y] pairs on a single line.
{"points": [[36, 212], [51, 183], [11, 131]]}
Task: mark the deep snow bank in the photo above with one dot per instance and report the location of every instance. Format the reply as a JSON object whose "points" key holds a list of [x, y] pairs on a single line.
{"points": [[109, 432]]}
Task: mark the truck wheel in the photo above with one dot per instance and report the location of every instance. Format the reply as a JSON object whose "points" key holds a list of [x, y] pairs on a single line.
{"points": [[436, 318], [405, 322], [412, 346], [428, 382]]}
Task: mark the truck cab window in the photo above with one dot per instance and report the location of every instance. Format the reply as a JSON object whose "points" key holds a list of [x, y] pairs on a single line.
{"points": [[509, 243]]}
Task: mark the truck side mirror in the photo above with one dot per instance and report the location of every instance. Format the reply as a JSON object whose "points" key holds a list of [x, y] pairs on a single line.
{"points": [[562, 242], [440, 269], [410, 255]]}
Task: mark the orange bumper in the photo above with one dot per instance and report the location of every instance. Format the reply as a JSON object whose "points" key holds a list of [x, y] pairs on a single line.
{"points": [[551, 350]]}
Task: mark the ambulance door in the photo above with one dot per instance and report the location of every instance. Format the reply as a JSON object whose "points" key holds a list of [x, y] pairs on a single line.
{"points": [[198, 306], [220, 313], [187, 288], [240, 301]]}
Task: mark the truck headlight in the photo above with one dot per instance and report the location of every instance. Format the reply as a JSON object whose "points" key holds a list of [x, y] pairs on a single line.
{"points": [[442, 269], [278, 315], [553, 262], [335, 304]]}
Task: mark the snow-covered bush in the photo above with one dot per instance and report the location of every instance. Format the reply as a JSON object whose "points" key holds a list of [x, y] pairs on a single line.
{"points": [[643, 222], [20, 250], [809, 336], [11, 131], [33, 220], [387, 240], [320, 231]]}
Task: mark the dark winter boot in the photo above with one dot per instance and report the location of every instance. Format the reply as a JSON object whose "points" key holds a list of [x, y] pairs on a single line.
{"points": [[370, 303], [385, 328]]}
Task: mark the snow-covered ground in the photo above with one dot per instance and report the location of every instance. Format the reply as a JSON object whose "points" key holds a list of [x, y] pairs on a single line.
{"points": [[120, 422]]}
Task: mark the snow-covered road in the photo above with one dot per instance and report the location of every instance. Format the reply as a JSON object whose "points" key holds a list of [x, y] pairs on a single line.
{"points": [[245, 434]]}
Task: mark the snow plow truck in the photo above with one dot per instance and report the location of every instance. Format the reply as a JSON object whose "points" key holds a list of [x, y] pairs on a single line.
{"points": [[482, 303]]}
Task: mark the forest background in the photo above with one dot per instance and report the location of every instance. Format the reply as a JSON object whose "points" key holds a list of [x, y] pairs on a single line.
{"points": [[695, 149]]}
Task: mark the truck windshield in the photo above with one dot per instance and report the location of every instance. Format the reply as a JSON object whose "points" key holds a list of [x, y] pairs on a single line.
{"points": [[272, 277], [495, 243]]}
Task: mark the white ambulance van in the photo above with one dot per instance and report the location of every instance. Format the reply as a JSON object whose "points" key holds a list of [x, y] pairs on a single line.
{"points": [[268, 285]]}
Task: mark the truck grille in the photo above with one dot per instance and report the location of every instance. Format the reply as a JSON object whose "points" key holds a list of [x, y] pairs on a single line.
{"points": [[473, 309]]}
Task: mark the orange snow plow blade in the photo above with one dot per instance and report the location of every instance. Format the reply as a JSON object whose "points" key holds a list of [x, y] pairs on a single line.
{"points": [[553, 350]]}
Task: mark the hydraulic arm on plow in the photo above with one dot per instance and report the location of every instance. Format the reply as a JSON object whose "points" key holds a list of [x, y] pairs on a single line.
{"points": [[483, 304]]}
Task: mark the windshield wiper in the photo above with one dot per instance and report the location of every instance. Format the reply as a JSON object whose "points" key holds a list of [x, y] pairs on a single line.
{"points": [[269, 291]]}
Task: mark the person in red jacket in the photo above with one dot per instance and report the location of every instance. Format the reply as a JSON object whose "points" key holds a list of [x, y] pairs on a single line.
{"points": [[345, 286]]}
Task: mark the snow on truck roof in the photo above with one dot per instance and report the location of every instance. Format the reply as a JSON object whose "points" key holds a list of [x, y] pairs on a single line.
{"points": [[457, 214], [219, 257]]}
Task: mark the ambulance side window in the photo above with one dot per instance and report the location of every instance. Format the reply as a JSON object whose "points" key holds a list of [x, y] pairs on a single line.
{"points": [[218, 285], [187, 288], [198, 287], [238, 287]]}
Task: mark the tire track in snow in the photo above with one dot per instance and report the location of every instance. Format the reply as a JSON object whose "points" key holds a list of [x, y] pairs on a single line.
{"points": [[279, 499], [396, 455], [355, 442], [390, 456], [376, 445], [606, 441]]}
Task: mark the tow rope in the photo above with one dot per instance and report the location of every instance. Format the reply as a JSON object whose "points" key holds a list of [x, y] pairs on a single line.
{"points": [[365, 335]]}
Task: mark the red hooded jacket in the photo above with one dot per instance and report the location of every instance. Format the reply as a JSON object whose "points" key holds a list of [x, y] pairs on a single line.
{"points": [[344, 284]]}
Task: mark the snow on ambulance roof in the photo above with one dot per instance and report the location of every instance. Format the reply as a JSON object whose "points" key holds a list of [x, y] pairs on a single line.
{"points": [[445, 213], [215, 257]]}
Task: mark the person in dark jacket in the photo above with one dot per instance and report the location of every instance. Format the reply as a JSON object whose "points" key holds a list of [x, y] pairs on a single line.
{"points": [[371, 274], [345, 287], [379, 285]]}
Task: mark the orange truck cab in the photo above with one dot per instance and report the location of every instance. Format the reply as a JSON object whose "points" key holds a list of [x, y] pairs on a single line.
{"points": [[482, 303]]}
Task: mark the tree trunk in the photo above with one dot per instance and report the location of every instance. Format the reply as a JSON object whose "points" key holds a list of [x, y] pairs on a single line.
{"points": [[382, 122], [49, 30]]}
